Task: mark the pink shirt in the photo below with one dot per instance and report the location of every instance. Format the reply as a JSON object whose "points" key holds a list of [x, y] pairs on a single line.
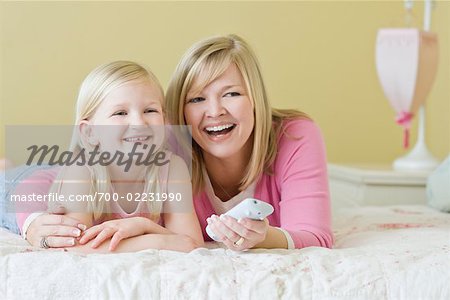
{"points": [[298, 189]]}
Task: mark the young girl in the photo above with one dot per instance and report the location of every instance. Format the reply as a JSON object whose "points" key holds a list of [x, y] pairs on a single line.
{"points": [[119, 115]]}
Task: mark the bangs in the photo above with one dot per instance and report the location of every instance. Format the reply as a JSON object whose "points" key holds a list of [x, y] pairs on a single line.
{"points": [[207, 70]]}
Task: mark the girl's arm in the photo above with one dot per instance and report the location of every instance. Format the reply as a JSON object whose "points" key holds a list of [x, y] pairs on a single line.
{"points": [[173, 242], [179, 216], [182, 232], [76, 183]]}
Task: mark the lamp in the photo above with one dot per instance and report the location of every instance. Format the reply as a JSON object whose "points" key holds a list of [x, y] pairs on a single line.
{"points": [[406, 62]]}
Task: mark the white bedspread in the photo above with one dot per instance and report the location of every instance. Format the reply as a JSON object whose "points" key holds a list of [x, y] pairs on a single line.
{"points": [[400, 252]]}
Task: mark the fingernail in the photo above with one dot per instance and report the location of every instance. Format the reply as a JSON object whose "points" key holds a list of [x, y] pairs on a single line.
{"points": [[222, 217], [71, 242], [208, 220], [77, 232], [215, 217], [82, 226]]}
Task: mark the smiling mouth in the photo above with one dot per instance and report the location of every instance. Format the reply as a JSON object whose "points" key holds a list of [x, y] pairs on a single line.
{"points": [[135, 139], [219, 130]]}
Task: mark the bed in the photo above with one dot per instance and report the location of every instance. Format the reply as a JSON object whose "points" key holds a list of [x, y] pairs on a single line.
{"points": [[394, 252]]}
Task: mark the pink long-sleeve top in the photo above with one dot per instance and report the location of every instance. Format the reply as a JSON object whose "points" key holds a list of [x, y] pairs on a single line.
{"points": [[298, 188]]}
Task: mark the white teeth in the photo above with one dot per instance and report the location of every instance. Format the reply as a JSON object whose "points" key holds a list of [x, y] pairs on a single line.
{"points": [[136, 139], [219, 128]]}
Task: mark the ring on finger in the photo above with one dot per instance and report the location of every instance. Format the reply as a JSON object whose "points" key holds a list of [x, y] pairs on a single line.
{"points": [[239, 242], [44, 243]]}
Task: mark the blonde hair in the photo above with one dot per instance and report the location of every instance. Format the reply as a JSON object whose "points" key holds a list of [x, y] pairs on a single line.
{"points": [[94, 89], [207, 60]]}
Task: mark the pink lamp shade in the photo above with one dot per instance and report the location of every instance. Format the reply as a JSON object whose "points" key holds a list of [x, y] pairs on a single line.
{"points": [[406, 62]]}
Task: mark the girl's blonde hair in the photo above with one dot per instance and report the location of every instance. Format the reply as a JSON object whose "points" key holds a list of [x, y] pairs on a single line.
{"points": [[202, 64], [94, 89]]}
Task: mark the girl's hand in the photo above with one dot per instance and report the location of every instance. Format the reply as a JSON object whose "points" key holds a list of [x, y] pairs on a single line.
{"points": [[117, 230], [230, 231]]}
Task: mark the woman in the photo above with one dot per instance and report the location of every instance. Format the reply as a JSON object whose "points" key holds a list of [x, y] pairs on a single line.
{"points": [[244, 148]]}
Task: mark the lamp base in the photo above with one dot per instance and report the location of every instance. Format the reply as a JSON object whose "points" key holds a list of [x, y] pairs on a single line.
{"points": [[419, 159]]}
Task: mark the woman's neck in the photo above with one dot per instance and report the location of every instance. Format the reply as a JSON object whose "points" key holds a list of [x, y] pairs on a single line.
{"points": [[226, 174]]}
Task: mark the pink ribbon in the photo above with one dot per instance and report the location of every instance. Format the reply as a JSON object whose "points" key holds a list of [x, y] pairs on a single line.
{"points": [[404, 119]]}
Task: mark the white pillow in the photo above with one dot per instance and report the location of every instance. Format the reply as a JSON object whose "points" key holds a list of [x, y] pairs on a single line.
{"points": [[438, 187]]}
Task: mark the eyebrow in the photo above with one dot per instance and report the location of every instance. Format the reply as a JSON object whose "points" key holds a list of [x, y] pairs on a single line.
{"points": [[122, 104], [190, 95]]}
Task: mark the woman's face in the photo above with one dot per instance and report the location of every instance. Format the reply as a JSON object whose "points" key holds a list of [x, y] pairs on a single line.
{"points": [[221, 115]]}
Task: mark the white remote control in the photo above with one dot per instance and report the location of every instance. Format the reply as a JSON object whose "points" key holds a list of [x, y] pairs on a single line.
{"points": [[249, 208]]}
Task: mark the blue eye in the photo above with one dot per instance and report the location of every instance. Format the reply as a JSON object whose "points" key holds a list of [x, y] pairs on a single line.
{"points": [[232, 94], [196, 100], [120, 113]]}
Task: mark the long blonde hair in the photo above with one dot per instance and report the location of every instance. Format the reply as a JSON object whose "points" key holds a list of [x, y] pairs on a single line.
{"points": [[94, 89], [207, 60]]}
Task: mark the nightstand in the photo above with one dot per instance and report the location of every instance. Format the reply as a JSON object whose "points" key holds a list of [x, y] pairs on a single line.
{"points": [[360, 185]]}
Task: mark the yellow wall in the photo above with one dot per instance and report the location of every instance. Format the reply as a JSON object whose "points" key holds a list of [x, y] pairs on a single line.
{"points": [[316, 56]]}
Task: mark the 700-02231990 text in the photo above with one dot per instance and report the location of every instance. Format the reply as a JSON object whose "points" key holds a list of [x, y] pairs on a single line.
{"points": [[139, 197]]}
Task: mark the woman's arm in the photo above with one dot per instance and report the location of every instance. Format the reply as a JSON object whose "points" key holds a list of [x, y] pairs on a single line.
{"points": [[59, 229], [301, 172]]}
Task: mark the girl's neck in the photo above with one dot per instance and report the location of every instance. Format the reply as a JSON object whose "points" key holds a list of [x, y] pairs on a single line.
{"points": [[132, 179], [226, 174]]}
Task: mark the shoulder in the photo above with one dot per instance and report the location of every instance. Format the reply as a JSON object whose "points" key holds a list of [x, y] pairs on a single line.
{"points": [[297, 133], [75, 172], [177, 167], [300, 143], [298, 128], [75, 179]]}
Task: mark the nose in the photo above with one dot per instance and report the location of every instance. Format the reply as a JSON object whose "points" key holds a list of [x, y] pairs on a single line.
{"points": [[138, 120], [215, 108]]}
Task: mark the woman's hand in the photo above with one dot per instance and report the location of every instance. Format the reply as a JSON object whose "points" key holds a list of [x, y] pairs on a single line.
{"points": [[59, 230], [117, 230], [230, 231]]}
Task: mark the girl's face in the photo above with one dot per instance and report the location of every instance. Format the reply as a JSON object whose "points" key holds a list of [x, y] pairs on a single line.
{"points": [[221, 115], [129, 114]]}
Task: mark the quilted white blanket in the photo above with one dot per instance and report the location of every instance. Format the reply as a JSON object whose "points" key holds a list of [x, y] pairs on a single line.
{"points": [[400, 252]]}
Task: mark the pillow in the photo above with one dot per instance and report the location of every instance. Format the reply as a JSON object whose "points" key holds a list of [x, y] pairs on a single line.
{"points": [[438, 187]]}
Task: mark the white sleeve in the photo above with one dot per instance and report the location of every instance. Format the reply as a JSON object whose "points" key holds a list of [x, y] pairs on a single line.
{"points": [[28, 221], [289, 239]]}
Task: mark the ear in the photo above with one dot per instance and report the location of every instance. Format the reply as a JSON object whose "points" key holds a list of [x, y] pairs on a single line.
{"points": [[87, 132]]}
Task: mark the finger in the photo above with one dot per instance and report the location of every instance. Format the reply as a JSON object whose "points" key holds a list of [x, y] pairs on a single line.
{"points": [[232, 246], [229, 244], [238, 228], [91, 233], [59, 210], [59, 241], [219, 236], [225, 230], [102, 236], [117, 237], [60, 230], [62, 220], [255, 225]]}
